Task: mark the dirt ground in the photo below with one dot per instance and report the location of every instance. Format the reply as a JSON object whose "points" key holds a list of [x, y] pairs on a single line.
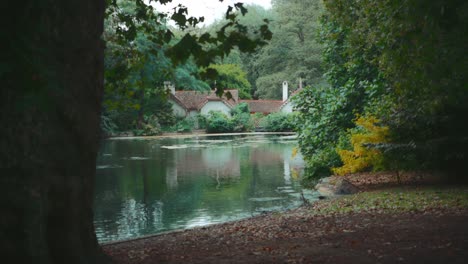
{"points": [[297, 236]]}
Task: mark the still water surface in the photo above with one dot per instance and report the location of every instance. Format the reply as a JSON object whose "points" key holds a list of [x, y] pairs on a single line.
{"points": [[149, 186]]}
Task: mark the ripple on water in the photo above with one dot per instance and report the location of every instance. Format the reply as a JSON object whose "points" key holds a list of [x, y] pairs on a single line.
{"points": [[269, 209], [213, 141], [138, 158], [257, 141], [198, 146], [286, 191], [109, 166], [175, 147], [266, 199]]}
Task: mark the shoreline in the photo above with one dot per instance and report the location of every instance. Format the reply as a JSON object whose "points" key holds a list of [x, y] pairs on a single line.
{"points": [[371, 181], [189, 135], [197, 228], [360, 228]]}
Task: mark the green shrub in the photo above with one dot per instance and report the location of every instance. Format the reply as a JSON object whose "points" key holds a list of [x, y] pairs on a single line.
{"points": [[109, 128], [151, 126], [242, 122], [124, 119], [201, 120], [242, 108], [279, 122], [241, 118], [218, 122], [166, 118], [320, 164], [181, 124], [185, 125]]}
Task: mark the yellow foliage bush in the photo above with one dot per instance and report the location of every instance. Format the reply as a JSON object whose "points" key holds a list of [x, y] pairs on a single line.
{"points": [[361, 157]]}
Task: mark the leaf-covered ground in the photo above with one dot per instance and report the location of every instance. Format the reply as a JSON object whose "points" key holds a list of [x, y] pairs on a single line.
{"points": [[396, 200], [404, 224]]}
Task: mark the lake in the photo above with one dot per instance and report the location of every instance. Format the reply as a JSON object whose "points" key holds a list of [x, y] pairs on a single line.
{"points": [[151, 185]]}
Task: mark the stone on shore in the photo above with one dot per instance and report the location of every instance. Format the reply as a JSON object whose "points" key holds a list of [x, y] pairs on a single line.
{"points": [[331, 186]]}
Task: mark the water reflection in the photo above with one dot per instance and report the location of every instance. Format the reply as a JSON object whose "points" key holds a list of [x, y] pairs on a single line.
{"points": [[150, 186]]}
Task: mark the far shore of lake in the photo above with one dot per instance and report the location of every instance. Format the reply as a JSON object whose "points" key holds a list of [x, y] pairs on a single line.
{"points": [[202, 134]]}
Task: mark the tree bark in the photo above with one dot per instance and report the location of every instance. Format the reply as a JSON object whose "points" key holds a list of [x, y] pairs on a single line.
{"points": [[51, 87]]}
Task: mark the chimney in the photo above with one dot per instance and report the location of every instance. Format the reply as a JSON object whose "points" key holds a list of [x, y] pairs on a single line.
{"points": [[169, 86], [285, 91], [172, 88]]}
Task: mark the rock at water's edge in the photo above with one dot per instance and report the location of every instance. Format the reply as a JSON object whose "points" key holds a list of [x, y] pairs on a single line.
{"points": [[335, 186]]}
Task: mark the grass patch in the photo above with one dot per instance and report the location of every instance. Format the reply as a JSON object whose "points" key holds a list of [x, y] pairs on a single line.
{"points": [[400, 199]]}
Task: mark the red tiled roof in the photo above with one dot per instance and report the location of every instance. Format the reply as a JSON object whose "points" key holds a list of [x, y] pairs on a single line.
{"points": [[263, 106], [233, 101], [194, 100], [190, 99]]}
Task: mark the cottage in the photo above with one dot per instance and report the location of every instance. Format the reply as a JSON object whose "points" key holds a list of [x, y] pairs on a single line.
{"points": [[191, 103]]}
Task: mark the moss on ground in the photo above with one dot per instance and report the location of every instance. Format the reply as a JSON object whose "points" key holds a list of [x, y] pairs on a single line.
{"points": [[400, 199]]}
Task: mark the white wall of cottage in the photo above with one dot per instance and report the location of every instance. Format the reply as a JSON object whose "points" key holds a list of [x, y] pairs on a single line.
{"points": [[215, 106], [177, 109]]}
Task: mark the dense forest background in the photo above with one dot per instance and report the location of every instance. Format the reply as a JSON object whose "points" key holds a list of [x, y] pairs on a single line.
{"points": [[136, 100]]}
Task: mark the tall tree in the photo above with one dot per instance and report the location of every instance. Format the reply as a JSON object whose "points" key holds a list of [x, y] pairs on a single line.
{"points": [[231, 76], [354, 83], [134, 73], [52, 86], [253, 19], [402, 61], [50, 105], [422, 56], [294, 51]]}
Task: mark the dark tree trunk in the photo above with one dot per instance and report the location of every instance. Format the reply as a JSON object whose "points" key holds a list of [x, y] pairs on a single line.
{"points": [[51, 87]]}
